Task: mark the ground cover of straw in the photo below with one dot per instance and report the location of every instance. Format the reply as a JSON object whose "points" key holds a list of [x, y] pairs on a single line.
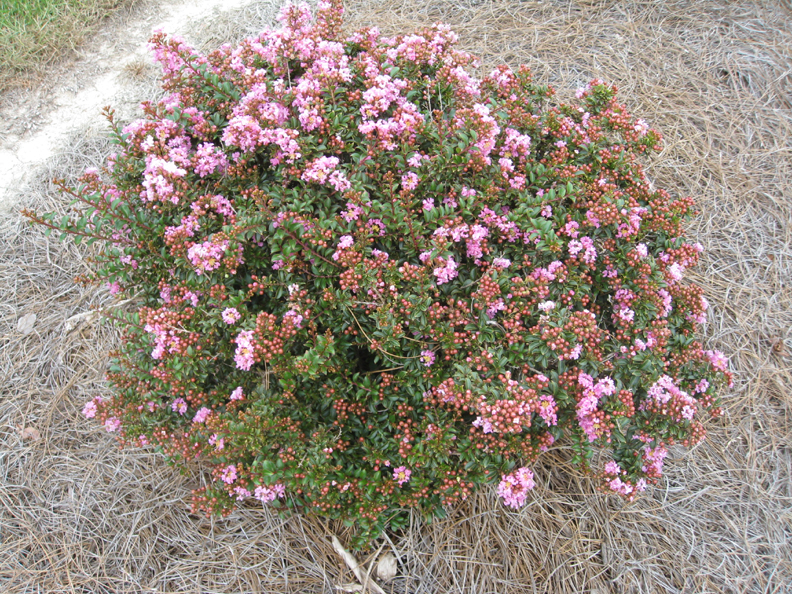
{"points": [[78, 515]]}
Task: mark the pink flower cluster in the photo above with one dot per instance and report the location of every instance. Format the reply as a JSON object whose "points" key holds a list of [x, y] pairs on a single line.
{"points": [[166, 337], [246, 133], [653, 460], [586, 245], [345, 242], [245, 350], [514, 487], [479, 118], [590, 418], [669, 399], [405, 121], [90, 409], [323, 170], [113, 424], [209, 159], [447, 272], [474, 236], [202, 414], [207, 256], [266, 494], [615, 482]]}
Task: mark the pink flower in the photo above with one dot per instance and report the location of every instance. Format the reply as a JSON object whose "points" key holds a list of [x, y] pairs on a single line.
{"points": [[229, 474], [447, 272], [352, 213], [585, 243], [241, 493], [675, 271], [514, 487], [619, 486], [217, 441], [401, 475], [320, 169], [575, 352], [571, 228], [207, 256], [548, 409], [266, 494], [667, 301], [484, 424], [245, 350], [546, 306], [295, 318], [112, 424], [202, 414], [719, 360], [653, 458], [501, 263], [89, 410], [192, 297], [409, 181], [179, 406], [231, 315], [237, 394], [495, 307], [209, 159], [427, 358], [450, 202]]}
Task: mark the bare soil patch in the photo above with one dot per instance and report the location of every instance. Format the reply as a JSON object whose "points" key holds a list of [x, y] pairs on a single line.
{"points": [[715, 77]]}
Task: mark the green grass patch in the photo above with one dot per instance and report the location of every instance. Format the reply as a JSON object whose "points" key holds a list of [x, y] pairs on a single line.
{"points": [[34, 33]]}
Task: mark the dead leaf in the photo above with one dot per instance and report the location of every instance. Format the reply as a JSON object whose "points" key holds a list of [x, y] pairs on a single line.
{"points": [[25, 323], [76, 320], [353, 564], [386, 567], [29, 433]]}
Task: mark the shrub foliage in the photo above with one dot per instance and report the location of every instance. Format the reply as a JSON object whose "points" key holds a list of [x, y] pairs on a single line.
{"points": [[369, 282]]}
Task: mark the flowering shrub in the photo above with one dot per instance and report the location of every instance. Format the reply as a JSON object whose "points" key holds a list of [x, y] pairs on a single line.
{"points": [[370, 282]]}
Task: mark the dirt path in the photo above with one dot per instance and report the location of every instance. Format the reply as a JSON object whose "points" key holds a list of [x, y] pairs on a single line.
{"points": [[35, 124]]}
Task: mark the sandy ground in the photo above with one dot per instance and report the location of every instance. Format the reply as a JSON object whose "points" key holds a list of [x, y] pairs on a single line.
{"points": [[714, 76]]}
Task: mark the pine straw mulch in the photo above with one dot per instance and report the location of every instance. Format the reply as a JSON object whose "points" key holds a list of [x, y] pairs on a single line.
{"points": [[78, 515]]}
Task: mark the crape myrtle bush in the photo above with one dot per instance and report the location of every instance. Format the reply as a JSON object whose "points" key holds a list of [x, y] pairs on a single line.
{"points": [[370, 282]]}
